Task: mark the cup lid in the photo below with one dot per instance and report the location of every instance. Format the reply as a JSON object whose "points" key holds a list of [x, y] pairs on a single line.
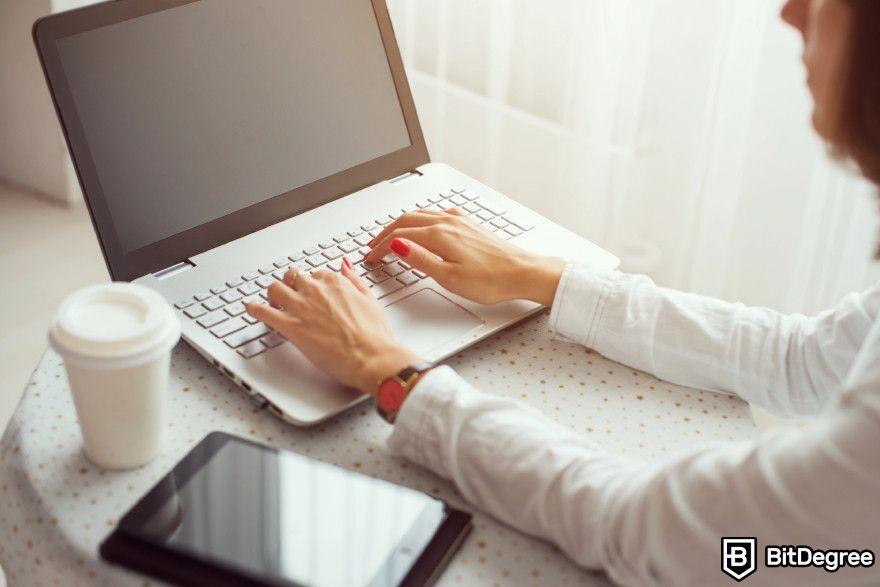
{"points": [[113, 321]]}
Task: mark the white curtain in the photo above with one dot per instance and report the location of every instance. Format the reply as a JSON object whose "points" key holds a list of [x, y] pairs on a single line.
{"points": [[675, 133]]}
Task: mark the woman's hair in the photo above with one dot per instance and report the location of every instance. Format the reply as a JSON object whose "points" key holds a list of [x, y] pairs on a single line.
{"points": [[857, 136]]}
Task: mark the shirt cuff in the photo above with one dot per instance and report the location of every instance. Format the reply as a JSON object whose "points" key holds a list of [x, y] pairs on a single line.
{"points": [[418, 429], [579, 303]]}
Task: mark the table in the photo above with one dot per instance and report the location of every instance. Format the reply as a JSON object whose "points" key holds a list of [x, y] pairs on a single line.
{"points": [[56, 507]]}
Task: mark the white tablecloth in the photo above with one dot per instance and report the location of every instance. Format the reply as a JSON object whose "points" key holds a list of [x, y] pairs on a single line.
{"points": [[56, 507]]}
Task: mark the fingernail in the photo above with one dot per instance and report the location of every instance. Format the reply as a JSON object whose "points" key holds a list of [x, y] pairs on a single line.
{"points": [[347, 263], [372, 243], [400, 247]]}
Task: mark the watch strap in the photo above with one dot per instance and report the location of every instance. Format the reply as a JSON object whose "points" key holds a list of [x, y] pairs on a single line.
{"points": [[406, 379]]}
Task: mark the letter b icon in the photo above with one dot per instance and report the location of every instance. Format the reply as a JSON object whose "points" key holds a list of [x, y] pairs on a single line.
{"points": [[738, 557]]}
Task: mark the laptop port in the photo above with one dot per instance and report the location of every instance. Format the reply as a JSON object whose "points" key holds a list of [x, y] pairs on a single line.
{"points": [[246, 386]]}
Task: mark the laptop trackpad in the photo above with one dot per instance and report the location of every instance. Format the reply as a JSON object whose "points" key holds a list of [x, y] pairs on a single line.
{"points": [[427, 320]]}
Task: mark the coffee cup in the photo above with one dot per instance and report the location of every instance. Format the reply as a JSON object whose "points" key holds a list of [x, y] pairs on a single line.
{"points": [[116, 342]]}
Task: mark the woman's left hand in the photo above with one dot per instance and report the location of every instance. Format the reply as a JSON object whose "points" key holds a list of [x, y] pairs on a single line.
{"points": [[337, 324]]}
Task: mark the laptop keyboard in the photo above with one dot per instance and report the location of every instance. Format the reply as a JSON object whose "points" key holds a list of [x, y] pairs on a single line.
{"points": [[221, 309]]}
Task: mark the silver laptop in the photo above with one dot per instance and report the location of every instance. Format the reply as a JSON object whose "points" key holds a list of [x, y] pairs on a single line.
{"points": [[219, 143]]}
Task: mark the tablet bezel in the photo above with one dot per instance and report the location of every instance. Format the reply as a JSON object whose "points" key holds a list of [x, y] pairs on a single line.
{"points": [[176, 248], [182, 567]]}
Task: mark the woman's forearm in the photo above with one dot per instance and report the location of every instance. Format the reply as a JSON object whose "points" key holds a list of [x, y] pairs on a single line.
{"points": [[649, 524], [790, 364], [511, 461], [534, 278]]}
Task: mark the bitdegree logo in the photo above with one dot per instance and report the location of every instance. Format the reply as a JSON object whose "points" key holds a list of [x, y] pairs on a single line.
{"points": [[805, 556], [739, 557]]}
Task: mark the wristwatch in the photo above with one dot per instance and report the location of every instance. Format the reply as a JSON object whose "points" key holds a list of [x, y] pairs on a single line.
{"points": [[393, 391]]}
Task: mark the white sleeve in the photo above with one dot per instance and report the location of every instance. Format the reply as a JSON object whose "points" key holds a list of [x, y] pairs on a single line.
{"points": [[652, 524], [788, 364]]}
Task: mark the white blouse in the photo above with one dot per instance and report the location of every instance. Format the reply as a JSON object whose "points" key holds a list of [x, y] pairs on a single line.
{"points": [[662, 523]]}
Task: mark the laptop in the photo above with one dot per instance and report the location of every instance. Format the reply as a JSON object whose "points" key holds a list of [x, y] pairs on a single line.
{"points": [[219, 143]]}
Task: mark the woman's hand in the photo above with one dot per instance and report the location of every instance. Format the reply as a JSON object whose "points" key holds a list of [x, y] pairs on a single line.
{"points": [[468, 260], [336, 324]]}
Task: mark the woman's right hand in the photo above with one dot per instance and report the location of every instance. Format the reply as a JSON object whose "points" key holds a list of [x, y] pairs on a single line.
{"points": [[467, 259]]}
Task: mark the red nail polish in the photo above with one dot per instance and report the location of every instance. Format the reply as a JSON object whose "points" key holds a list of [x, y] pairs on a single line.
{"points": [[400, 247], [347, 262]]}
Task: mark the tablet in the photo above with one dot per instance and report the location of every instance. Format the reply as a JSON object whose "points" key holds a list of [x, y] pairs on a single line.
{"points": [[234, 512]]}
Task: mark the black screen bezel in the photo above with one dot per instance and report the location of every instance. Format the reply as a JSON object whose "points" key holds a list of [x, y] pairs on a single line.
{"points": [[128, 266]]}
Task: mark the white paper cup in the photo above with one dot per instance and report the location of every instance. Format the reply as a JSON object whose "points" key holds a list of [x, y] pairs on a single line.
{"points": [[116, 342]]}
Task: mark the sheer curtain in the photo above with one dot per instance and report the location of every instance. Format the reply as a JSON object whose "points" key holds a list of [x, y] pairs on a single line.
{"points": [[674, 133]]}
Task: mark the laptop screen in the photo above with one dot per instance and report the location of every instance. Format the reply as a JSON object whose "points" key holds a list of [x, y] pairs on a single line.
{"points": [[196, 112]]}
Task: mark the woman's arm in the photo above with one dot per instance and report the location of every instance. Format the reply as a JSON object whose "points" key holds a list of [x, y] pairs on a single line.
{"points": [[649, 524], [789, 364]]}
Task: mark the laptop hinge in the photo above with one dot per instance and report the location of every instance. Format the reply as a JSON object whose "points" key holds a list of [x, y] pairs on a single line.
{"points": [[174, 269], [413, 173]]}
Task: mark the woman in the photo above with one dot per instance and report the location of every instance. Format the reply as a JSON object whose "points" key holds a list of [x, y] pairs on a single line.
{"points": [[645, 524]]}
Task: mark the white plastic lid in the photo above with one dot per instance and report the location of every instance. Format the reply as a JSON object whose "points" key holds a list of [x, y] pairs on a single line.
{"points": [[114, 325]]}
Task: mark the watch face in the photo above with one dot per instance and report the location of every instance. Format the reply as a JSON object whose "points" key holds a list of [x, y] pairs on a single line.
{"points": [[391, 395]]}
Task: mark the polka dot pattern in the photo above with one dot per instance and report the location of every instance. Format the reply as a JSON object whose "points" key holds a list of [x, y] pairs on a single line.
{"points": [[56, 507]]}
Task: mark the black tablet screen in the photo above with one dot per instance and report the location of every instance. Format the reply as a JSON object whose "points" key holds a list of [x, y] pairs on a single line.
{"points": [[285, 518]]}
